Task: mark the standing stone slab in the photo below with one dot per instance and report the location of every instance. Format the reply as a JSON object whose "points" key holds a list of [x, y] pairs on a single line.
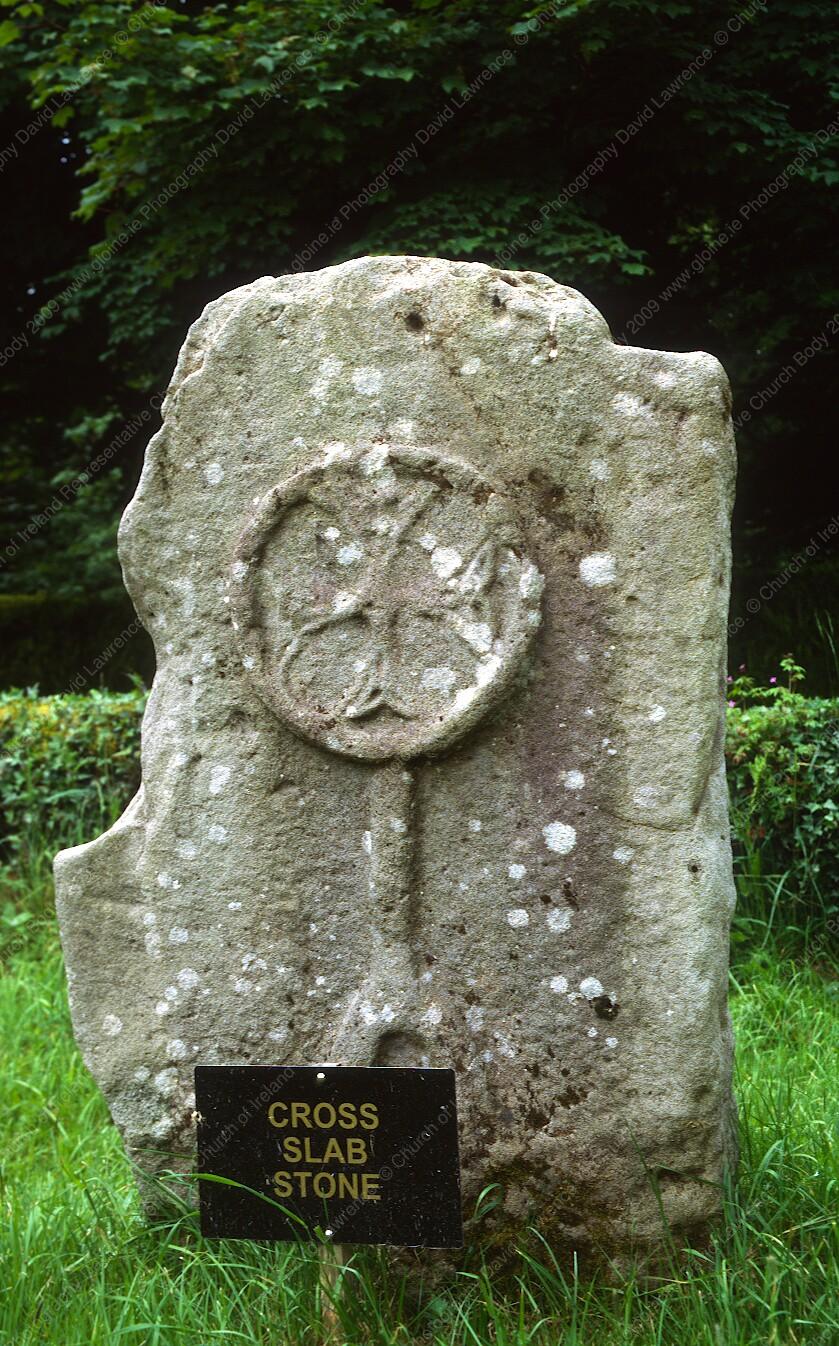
{"points": [[437, 577]]}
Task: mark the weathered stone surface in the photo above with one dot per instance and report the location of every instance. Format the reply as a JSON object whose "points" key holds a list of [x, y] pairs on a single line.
{"points": [[437, 577]]}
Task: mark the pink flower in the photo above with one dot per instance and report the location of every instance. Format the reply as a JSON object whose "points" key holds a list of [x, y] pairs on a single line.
{"points": [[729, 678], [773, 679], [731, 703]]}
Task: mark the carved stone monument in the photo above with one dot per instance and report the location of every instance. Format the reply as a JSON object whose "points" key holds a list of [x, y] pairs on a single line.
{"points": [[437, 577]]}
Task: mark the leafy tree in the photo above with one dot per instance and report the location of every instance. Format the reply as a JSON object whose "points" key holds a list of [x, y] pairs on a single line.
{"points": [[672, 155]]}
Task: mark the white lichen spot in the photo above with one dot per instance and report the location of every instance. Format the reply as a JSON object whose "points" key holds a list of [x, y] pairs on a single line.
{"points": [[348, 554], [628, 404], [559, 985], [591, 988], [623, 854], [433, 1015], [142, 1074], [558, 919], [665, 378], [234, 906], [709, 447], [332, 533], [343, 600], [278, 1034], [176, 1050], [177, 935], [252, 962], [486, 669], [330, 366], [599, 469], [560, 837], [111, 1025], [398, 825], [149, 917], [589, 712], [428, 542], [387, 1014], [464, 697], [166, 1081], [239, 570], [531, 583], [214, 473], [187, 850], [403, 428], [242, 986], [375, 460], [445, 561], [476, 634], [367, 381], [505, 1047], [219, 776], [592, 1033], [367, 843], [470, 366], [475, 824], [598, 569], [646, 796], [216, 832], [657, 714], [439, 679], [171, 993], [248, 661], [516, 871], [611, 1042], [152, 943], [162, 1007], [187, 978], [208, 659], [573, 780], [474, 1018], [166, 881], [518, 918]]}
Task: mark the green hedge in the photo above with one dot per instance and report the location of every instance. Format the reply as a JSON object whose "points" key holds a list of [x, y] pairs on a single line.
{"points": [[69, 764], [782, 750]]}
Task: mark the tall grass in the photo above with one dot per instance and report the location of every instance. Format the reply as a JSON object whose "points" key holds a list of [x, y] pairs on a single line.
{"points": [[78, 1267]]}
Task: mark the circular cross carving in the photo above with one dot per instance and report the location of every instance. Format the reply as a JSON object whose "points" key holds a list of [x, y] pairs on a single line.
{"points": [[383, 601]]}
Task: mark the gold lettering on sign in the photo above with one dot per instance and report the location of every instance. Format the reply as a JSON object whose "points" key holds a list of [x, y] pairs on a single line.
{"points": [[293, 1117]]}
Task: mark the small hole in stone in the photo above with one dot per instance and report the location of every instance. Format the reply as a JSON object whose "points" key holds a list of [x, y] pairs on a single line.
{"points": [[605, 1007], [415, 321]]}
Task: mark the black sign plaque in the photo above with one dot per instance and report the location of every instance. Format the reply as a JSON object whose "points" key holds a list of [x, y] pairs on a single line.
{"points": [[364, 1154]]}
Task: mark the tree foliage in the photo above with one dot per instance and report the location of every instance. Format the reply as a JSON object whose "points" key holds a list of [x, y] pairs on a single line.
{"points": [[667, 157]]}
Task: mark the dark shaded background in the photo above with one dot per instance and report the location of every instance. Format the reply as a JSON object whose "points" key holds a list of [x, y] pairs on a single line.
{"points": [[295, 111]]}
